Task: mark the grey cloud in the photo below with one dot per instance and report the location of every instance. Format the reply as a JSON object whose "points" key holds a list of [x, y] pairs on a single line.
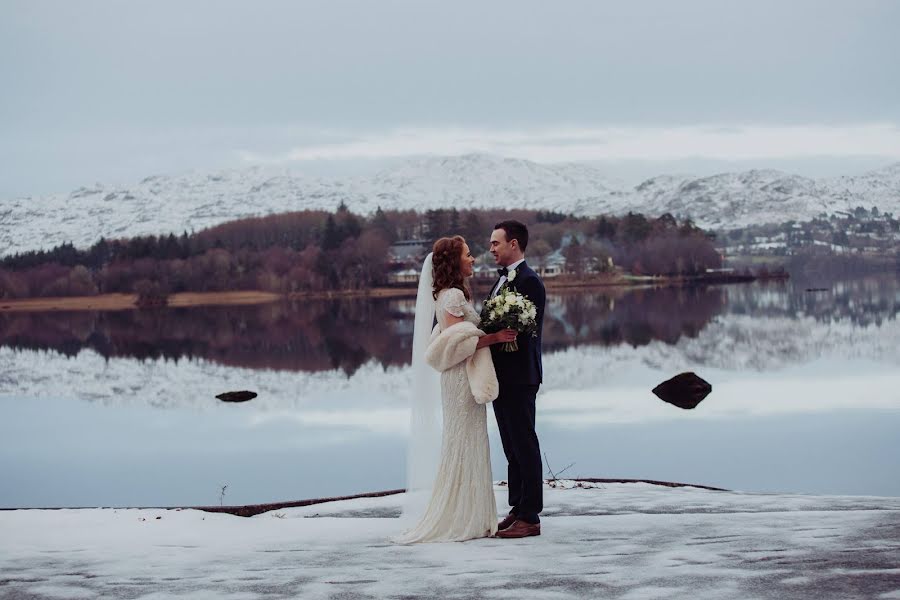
{"points": [[91, 69]]}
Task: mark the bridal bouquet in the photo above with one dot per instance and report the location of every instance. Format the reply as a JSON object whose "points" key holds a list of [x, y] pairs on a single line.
{"points": [[509, 309]]}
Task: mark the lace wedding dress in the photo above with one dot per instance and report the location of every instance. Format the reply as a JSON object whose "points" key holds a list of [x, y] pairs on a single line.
{"points": [[462, 504]]}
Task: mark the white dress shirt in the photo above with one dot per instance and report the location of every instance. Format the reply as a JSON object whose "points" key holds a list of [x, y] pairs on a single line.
{"points": [[502, 280]]}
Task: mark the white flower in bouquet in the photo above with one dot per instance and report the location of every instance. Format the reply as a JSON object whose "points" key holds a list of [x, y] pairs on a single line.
{"points": [[509, 309]]}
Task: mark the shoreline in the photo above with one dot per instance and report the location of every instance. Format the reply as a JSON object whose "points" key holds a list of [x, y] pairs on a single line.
{"points": [[250, 510], [617, 540], [116, 302]]}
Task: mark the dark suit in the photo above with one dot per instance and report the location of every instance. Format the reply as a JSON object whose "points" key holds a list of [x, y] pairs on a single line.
{"points": [[520, 374]]}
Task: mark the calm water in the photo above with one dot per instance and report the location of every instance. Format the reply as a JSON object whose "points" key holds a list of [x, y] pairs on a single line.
{"points": [[119, 408]]}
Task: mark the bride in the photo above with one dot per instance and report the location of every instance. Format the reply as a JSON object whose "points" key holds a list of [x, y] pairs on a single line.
{"points": [[461, 504]]}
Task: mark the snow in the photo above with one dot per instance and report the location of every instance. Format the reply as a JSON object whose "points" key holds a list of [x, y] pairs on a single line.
{"points": [[163, 204], [610, 541]]}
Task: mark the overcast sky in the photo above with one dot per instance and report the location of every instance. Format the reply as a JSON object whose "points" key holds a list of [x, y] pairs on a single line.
{"points": [[114, 91]]}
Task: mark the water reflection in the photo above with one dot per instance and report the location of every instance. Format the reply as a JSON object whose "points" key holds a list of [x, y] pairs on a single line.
{"points": [[308, 336], [804, 395], [635, 317], [862, 302], [327, 335], [345, 334]]}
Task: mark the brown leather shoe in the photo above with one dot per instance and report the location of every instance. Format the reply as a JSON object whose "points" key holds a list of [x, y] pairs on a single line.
{"points": [[520, 529], [506, 522]]}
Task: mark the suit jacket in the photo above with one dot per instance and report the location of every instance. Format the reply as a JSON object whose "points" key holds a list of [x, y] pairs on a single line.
{"points": [[523, 366]]}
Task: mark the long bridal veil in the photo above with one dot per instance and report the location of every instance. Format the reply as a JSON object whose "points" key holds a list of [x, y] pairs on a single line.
{"points": [[424, 449]]}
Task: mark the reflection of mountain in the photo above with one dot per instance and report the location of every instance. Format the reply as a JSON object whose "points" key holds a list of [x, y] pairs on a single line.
{"points": [[323, 335], [588, 336], [866, 301], [297, 356], [731, 343], [762, 328], [374, 397]]}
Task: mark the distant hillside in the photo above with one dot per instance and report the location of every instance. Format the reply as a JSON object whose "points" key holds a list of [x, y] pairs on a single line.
{"points": [[164, 204]]}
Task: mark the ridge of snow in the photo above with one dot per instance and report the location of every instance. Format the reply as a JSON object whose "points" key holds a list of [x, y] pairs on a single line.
{"points": [[162, 204]]}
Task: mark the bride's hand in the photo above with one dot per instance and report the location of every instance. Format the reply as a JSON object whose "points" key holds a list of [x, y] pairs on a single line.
{"points": [[504, 335]]}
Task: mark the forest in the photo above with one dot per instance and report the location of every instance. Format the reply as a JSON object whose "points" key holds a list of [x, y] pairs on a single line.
{"points": [[308, 251]]}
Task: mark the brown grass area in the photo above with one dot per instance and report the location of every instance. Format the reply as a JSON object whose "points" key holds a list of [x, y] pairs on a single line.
{"points": [[127, 301], [380, 292], [187, 299], [101, 302], [221, 298], [590, 281]]}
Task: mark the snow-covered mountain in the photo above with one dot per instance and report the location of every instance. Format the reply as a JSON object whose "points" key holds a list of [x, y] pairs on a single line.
{"points": [[736, 199], [192, 201]]}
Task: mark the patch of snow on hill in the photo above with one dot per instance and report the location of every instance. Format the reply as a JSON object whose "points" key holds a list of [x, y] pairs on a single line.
{"points": [[163, 204]]}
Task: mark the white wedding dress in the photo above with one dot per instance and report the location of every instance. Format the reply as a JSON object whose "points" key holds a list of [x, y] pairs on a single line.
{"points": [[462, 504]]}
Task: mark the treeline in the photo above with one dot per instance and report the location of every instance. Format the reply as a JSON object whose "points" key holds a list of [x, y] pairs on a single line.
{"points": [[319, 250]]}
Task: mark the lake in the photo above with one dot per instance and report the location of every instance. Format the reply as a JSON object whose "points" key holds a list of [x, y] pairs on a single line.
{"points": [[119, 408]]}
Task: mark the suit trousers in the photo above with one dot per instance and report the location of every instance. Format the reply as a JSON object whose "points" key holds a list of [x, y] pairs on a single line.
{"points": [[514, 409]]}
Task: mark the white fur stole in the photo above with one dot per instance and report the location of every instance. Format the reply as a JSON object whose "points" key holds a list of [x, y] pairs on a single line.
{"points": [[458, 343]]}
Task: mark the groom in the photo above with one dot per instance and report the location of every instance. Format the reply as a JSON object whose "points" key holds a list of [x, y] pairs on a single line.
{"points": [[519, 374]]}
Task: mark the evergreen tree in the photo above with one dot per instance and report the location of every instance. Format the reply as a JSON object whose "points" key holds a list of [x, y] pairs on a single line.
{"points": [[474, 231], [184, 246], [436, 224], [605, 229], [331, 237], [382, 224], [634, 227], [453, 226], [98, 255], [350, 226], [550, 216], [667, 220]]}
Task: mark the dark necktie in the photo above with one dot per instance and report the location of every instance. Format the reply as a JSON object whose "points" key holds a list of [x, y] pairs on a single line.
{"points": [[503, 272]]}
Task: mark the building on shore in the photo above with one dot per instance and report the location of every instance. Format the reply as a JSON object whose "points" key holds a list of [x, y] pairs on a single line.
{"points": [[405, 252]]}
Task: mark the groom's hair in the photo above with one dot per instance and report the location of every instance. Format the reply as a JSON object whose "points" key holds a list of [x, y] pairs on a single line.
{"points": [[515, 230]]}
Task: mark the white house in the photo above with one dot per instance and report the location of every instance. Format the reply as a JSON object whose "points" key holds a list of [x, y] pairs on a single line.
{"points": [[404, 276]]}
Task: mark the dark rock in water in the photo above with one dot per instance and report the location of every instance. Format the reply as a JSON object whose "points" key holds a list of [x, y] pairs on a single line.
{"points": [[685, 390], [241, 396], [817, 290]]}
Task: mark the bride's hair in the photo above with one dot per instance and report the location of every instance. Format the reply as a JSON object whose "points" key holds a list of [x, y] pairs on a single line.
{"points": [[445, 264]]}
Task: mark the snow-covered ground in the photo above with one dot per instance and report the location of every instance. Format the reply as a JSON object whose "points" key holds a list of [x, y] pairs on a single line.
{"points": [[628, 541]]}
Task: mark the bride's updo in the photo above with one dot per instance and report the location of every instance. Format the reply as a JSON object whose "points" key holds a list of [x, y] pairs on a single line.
{"points": [[446, 262]]}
